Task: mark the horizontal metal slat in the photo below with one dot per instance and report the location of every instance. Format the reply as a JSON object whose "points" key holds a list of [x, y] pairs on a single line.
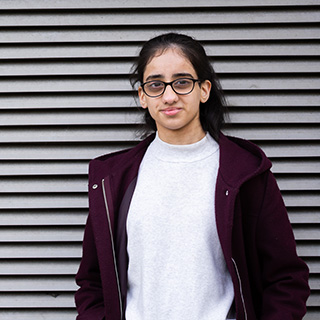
{"points": [[306, 199], [61, 168], [67, 134], [267, 66], [275, 99], [286, 149], [314, 282], [261, 49], [37, 283], [77, 101], [307, 232], [313, 264], [313, 300], [252, 82], [212, 33], [304, 216], [274, 115], [39, 267], [294, 149], [36, 300], [68, 184], [100, 4], [87, 151], [71, 100], [95, 134], [41, 234], [74, 50], [52, 168], [309, 249], [101, 67], [43, 314], [40, 251], [299, 182], [286, 132], [60, 151], [44, 68], [43, 201], [78, 117], [179, 16], [129, 50], [42, 217]]}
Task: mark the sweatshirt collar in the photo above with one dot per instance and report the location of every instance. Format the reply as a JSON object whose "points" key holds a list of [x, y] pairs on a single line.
{"points": [[197, 151]]}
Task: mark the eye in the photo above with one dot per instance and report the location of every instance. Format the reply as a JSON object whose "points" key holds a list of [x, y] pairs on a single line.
{"points": [[155, 85], [182, 83]]}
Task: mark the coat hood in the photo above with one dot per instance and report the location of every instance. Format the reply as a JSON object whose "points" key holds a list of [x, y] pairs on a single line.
{"points": [[240, 160]]}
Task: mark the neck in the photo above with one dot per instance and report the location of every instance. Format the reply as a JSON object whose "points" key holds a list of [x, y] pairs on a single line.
{"points": [[180, 137]]}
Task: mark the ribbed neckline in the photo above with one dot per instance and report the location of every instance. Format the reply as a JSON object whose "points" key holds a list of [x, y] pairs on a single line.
{"points": [[183, 153]]}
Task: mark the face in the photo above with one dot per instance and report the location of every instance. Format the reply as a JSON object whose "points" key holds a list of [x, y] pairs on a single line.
{"points": [[176, 116]]}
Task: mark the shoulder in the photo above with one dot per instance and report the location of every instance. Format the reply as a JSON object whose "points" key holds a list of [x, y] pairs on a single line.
{"points": [[241, 160], [107, 163], [241, 146], [112, 156]]}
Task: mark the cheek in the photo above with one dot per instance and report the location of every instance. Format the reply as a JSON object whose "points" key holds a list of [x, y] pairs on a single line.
{"points": [[152, 112], [146, 104], [196, 102]]}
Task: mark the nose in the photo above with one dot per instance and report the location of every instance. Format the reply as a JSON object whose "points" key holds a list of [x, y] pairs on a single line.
{"points": [[169, 96]]}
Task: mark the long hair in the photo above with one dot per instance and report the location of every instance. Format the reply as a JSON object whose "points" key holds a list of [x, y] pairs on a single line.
{"points": [[213, 111]]}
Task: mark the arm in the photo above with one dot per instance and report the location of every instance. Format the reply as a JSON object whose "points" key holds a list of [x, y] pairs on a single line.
{"points": [[89, 298], [284, 274]]}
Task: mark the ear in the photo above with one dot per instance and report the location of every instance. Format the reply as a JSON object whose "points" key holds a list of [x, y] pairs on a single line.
{"points": [[205, 91], [142, 98]]}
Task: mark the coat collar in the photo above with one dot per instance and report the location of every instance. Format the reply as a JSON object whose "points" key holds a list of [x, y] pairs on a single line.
{"points": [[240, 160]]}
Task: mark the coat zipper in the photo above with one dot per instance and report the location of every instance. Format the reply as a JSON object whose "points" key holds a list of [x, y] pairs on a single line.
{"points": [[112, 244], [241, 293]]}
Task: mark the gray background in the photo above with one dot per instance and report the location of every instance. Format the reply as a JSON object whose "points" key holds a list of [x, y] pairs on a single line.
{"points": [[65, 98]]}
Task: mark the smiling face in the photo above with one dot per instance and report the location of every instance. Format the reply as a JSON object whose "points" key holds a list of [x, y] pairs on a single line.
{"points": [[176, 116]]}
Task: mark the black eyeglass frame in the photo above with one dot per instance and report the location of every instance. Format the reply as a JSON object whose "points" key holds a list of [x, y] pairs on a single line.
{"points": [[171, 85]]}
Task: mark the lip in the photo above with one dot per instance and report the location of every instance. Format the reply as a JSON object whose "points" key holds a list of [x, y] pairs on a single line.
{"points": [[171, 111]]}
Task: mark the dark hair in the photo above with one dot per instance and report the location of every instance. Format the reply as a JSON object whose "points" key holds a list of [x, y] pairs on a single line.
{"points": [[213, 111]]}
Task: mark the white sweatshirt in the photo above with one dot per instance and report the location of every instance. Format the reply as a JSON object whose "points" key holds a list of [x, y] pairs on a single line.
{"points": [[176, 265]]}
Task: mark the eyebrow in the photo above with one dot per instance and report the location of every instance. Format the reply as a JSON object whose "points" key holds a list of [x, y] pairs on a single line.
{"points": [[154, 76], [176, 75]]}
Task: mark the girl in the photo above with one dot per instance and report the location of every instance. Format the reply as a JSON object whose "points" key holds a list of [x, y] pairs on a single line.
{"points": [[189, 224]]}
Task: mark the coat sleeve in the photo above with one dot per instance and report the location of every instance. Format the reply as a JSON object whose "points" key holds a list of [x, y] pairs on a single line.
{"points": [[89, 297], [284, 274]]}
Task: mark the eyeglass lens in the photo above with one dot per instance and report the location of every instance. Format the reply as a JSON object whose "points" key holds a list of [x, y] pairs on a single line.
{"points": [[180, 86]]}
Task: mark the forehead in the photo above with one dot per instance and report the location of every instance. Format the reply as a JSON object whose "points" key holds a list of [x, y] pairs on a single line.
{"points": [[167, 63]]}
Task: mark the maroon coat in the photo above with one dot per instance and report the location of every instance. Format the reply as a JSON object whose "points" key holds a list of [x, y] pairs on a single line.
{"points": [[270, 281]]}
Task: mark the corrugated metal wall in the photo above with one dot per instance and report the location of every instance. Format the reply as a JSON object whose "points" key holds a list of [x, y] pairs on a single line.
{"points": [[65, 98]]}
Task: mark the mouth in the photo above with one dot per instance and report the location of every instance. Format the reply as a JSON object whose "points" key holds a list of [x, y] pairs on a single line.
{"points": [[171, 111]]}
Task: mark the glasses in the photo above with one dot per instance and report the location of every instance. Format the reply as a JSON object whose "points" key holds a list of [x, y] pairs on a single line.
{"points": [[156, 88]]}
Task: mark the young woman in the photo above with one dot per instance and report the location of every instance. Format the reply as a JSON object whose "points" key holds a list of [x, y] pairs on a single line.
{"points": [[189, 224]]}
